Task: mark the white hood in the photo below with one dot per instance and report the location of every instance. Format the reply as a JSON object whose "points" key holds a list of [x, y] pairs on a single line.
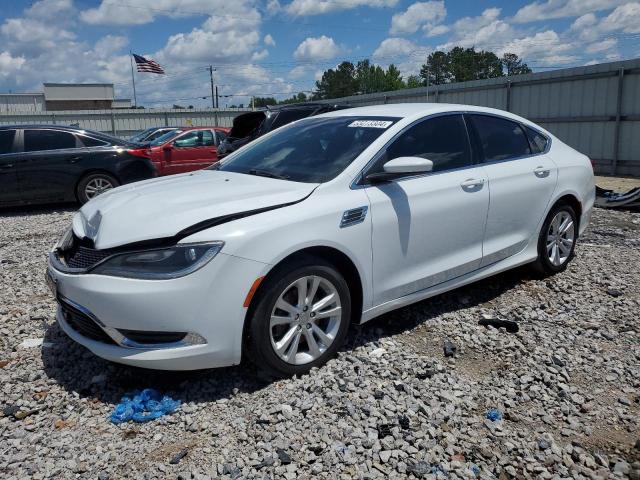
{"points": [[162, 207]]}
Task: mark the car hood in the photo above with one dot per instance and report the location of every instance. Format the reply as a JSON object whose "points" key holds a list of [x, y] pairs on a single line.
{"points": [[163, 207]]}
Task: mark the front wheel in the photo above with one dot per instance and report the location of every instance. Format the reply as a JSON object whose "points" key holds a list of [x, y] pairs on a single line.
{"points": [[557, 240], [301, 318], [93, 185]]}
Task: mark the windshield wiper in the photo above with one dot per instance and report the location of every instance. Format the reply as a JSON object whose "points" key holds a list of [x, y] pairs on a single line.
{"points": [[265, 173]]}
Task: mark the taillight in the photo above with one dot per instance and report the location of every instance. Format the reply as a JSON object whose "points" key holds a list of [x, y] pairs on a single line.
{"points": [[140, 152]]}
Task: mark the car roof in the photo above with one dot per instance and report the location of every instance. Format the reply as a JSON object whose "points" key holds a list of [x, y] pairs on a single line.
{"points": [[403, 110], [201, 128]]}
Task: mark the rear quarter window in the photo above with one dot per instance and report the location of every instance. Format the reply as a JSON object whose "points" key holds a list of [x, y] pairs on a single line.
{"points": [[537, 141]]}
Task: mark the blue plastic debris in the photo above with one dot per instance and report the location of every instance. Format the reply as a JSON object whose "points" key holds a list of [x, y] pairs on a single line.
{"points": [[143, 406], [494, 414], [475, 469]]}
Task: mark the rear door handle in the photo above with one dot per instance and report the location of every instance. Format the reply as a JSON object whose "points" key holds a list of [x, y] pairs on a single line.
{"points": [[7, 166], [541, 171], [472, 183], [75, 159]]}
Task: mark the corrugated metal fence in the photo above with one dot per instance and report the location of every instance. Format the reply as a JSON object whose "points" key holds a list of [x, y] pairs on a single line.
{"points": [[595, 109], [123, 123]]}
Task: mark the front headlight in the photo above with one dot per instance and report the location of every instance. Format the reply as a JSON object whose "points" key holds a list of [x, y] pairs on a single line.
{"points": [[161, 263]]}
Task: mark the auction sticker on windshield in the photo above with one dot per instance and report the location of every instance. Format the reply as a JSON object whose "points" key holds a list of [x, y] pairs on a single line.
{"points": [[371, 123]]}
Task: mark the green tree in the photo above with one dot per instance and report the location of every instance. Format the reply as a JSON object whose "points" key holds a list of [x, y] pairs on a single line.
{"points": [[340, 82], [393, 79], [264, 101], [487, 65], [299, 98], [437, 70], [413, 81], [513, 65]]}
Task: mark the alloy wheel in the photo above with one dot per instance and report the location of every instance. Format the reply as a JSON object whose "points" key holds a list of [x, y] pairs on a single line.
{"points": [[560, 238], [305, 320], [96, 186]]}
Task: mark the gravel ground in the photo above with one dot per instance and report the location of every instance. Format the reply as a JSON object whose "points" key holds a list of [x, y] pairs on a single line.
{"points": [[390, 405]]}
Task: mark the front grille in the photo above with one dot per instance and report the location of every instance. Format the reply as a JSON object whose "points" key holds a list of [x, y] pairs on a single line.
{"points": [[83, 257], [80, 254], [83, 324], [148, 338]]}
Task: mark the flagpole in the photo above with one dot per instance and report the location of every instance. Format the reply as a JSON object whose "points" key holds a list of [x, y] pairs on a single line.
{"points": [[133, 80]]}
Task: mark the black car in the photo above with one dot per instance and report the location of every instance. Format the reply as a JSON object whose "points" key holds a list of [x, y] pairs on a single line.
{"points": [[251, 125], [150, 134], [48, 163]]}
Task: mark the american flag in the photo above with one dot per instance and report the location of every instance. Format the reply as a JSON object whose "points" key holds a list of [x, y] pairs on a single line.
{"points": [[148, 66]]}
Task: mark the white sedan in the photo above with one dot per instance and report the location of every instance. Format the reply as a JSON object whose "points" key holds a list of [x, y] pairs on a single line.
{"points": [[328, 221]]}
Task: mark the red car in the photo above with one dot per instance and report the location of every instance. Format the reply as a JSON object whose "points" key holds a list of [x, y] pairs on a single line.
{"points": [[184, 150]]}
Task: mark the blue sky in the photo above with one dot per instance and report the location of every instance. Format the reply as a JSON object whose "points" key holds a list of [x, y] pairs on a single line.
{"points": [[280, 47]]}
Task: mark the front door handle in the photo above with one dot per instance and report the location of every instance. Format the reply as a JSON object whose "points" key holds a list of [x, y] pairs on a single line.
{"points": [[7, 166], [75, 159], [472, 183], [541, 171]]}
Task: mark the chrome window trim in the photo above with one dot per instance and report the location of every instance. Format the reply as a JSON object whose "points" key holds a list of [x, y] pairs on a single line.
{"points": [[24, 128], [356, 182], [522, 125]]}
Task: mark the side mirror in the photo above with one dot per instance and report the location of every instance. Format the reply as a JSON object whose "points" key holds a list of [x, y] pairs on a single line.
{"points": [[401, 167], [168, 147]]}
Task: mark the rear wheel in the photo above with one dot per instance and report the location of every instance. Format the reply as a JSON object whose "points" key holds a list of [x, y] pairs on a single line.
{"points": [[301, 318], [557, 240], [93, 185]]}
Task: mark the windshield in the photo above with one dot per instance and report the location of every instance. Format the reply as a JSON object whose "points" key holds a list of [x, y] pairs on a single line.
{"points": [[166, 137], [141, 135], [314, 150]]}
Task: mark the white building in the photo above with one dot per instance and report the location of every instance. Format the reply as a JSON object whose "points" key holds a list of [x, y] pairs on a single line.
{"points": [[64, 96]]}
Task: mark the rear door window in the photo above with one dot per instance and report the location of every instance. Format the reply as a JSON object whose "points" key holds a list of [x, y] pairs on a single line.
{"points": [[36, 140], [537, 141], [500, 139], [6, 141]]}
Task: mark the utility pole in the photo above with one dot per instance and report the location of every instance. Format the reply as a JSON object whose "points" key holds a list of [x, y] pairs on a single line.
{"points": [[217, 99], [213, 98]]}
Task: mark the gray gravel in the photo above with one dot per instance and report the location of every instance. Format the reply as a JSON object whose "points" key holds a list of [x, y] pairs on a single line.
{"points": [[390, 405]]}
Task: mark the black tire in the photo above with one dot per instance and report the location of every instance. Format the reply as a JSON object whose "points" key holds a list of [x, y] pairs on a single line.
{"points": [[258, 344], [81, 191], [543, 264]]}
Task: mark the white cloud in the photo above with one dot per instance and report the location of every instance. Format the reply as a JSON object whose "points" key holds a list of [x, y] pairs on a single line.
{"points": [[139, 12], [484, 31], [319, 48], [298, 72], [110, 45], [546, 46], [602, 46], [404, 54], [48, 9], [625, 18], [437, 30], [239, 35], [419, 15], [261, 55], [394, 47], [550, 9], [269, 41], [316, 7], [9, 65]]}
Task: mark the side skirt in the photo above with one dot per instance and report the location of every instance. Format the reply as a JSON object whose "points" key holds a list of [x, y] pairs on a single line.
{"points": [[527, 255]]}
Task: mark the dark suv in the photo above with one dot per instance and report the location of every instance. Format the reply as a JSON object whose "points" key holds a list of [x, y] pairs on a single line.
{"points": [[47, 163], [251, 125]]}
